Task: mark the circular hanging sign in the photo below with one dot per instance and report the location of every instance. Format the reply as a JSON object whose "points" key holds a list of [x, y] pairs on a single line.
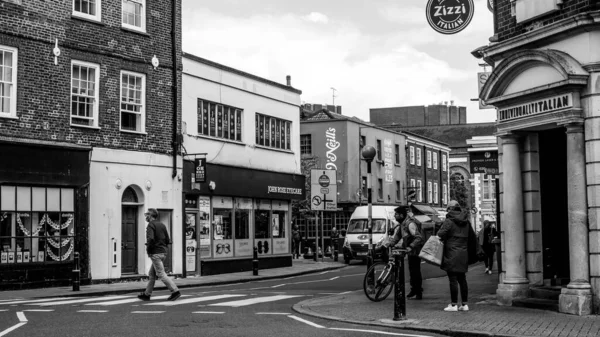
{"points": [[449, 16]]}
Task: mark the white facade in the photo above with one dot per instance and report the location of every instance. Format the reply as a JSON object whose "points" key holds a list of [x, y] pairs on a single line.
{"points": [[149, 175]]}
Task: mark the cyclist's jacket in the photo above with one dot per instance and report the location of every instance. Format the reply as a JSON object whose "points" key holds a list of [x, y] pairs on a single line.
{"points": [[409, 234]]}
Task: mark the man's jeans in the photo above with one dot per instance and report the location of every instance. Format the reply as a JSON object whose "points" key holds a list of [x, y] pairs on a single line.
{"points": [[157, 270]]}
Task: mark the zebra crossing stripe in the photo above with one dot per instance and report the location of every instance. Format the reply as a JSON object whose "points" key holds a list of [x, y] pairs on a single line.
{"points": [[129, 300], [251, 301], [94, 299], [34, 301], [194, 300]]}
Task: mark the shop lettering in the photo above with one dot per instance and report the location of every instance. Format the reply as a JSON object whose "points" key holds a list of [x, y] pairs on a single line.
{"points": [[449, 10], [284, 190], [332, 145], [546, 105]]}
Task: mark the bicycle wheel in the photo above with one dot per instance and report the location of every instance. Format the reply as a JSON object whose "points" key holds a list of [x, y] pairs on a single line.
{"points": [[382, 282]]}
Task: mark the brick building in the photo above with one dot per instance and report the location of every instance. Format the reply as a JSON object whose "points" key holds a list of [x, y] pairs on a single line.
{"points": [[544, 86], [89, 124]]}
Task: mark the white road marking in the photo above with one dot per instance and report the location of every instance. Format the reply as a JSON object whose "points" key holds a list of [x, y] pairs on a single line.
{"points": [[272, 313], [325, 272], [194, 300], [251, 301], [92, 310], [34, 301], [279, 285], [94, 299], [345, 292], [333, 278], [208, 312], [328, 293], [3, 310], [147, 312], [129, 300], [39, 310], [380, 332], [14, 299], [12, 328], [305, 321], [21, 317]]}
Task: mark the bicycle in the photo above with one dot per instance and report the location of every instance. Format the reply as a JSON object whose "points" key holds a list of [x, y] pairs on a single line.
{"points": [[382, 274]]}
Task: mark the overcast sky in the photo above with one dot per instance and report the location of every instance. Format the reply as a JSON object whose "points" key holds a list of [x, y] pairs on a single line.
{"points": [[377, 53]]}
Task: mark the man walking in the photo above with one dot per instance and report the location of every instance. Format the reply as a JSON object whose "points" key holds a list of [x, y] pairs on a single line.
{"points": [[409, 231], [157, 239], [296, 238]]}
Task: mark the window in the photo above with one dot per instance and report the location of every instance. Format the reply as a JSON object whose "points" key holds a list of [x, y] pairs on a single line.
{"points": [[397, 152], [134, 14], [435, 193], [378, 149], [8, 82], [428, 159], [435, 160], [418, 156], [379, 189], [363, 141], [444, 163], [419, 191], [220, 121], [133, 97], [489, 188], [412, 183], [397, 190], [84, 93], [429, 192], [364, 187], [444, 194], [305, 145], [273, 132], [411, 150], [37, 224], [88, 9]]}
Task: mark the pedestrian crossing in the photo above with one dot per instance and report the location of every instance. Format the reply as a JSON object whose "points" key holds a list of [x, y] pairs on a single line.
{"points": [[220, 300]]}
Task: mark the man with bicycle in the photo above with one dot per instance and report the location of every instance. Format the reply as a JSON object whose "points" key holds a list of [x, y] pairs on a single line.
{"points": [[408, 233]]}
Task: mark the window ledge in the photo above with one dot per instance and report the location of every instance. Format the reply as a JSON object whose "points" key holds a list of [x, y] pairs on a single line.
{"points": [[273, 149], [134, 132], [133, 30], [85, 127], [9, 117], [217, 139], [398, 165], [82, 18]]}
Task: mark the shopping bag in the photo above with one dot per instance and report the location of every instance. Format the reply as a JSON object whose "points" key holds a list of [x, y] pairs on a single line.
{"points": [[432, 251]]}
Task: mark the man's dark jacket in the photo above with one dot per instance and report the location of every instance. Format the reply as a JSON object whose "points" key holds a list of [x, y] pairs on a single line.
{"points": [[157, 238]]}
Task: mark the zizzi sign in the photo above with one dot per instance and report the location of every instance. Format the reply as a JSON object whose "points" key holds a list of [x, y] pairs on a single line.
{"points": [[449, 16], [331, 144]]}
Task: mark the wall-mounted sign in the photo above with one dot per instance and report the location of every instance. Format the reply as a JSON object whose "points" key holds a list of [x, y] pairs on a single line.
{"points": [[484, 162], [481, 79], [449, 16], [536, 107], [388, 160], [200, 166], [331, 144]]}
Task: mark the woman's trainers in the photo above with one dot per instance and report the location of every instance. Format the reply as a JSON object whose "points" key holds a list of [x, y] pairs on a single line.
{"points": [[142, 296], [486, 270], [463, 308], [489, 272], [451, 307], [174, 296]]}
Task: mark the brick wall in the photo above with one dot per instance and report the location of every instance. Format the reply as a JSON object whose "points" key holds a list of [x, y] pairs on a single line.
{"points": [[508, 27], [43, 88]]}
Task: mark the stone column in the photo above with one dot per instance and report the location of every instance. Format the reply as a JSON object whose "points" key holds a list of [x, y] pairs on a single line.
{"points": [[515, 283], [577, 297]]}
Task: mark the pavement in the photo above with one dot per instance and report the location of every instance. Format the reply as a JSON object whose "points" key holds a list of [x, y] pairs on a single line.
{"points": [[485, 317]]}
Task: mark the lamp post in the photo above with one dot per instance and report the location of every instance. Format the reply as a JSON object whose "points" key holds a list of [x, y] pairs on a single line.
{"points": [[368, 153]]}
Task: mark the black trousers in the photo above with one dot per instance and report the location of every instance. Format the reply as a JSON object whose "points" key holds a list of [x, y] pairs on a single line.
{"points": [[489, 257], [414, 269], [456, 280], [296, 248]]}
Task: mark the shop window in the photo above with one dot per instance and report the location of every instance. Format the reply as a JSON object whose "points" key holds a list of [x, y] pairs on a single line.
{"points": [[261, 224], [222, 227], [220, 121], [166, 217], [37, 224], [273, 132]]}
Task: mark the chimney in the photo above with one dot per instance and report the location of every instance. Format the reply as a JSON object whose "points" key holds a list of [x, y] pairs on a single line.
{"points": [[452, 102], [445, 102], [288, 79]]}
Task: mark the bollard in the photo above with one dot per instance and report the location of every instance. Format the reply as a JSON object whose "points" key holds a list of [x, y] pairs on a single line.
{"points": [[255, 262], [399, 291], [335, 253], [75, 273]]}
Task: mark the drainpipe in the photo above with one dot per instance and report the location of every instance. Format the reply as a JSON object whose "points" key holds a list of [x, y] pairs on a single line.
{"points": [[175, 65]]}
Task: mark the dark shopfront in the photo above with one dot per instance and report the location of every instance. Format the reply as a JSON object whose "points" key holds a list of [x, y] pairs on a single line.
{"points": [[234, 210], [43, 214]]}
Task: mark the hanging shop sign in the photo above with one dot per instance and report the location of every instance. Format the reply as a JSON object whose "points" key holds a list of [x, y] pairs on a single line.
{"points": [[481, 79], [536, 107], [200, 166], [449, 16], [485, 162]]}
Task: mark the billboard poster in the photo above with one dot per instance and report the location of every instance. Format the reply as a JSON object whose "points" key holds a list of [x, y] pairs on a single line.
{"points": [[388, 160], [204, 225]]}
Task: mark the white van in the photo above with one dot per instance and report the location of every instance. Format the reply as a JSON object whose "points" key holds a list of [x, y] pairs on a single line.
{"points": [[356, 243]]}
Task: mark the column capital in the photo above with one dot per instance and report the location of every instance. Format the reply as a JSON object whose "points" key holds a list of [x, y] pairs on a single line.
{"points": [[574, 127], [509, 138]]}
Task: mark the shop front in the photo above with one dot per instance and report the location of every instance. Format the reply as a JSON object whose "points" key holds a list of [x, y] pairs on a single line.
{"points": [[43, 214], [233, 211]]}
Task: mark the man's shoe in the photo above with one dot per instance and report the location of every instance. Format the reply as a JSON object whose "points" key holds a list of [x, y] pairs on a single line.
{"points": [[451, 307], [486, 270], [174, 296], [489, 272], [418, 296], [411, 294], [463, 308], [144, 297]]}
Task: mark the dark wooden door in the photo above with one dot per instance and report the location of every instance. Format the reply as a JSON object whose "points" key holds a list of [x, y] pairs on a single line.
{"points": [[129, 240]]}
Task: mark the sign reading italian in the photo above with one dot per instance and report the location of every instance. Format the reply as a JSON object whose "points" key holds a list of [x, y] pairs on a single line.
{"points": [[536, 107], [323, 192], [449, 16]]}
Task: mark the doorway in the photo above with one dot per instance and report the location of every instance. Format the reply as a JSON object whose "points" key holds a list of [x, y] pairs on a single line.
{"points": [[129, 239], [554, 205]]}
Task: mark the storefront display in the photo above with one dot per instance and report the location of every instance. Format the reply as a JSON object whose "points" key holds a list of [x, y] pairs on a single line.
{"points": [[243, 242], [279, 217], [222, 227], [263, 226], [204, 224], [190, 242]]}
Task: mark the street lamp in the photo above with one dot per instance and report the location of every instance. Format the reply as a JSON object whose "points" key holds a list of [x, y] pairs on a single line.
{"points": [[368, 153]]}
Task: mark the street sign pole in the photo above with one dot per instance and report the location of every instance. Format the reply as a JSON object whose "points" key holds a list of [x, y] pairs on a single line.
{"points": [[322, 239], [316, 253]]}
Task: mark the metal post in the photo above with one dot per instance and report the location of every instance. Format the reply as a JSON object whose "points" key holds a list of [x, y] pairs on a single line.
{"points": [[370, 219], [336, 243], [316, 252], [399, 295], [322, 236], [255, 262], [75, 273]]}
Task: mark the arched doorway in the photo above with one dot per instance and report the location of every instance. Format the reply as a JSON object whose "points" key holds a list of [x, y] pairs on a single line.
{"points": [[130, 204]]}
